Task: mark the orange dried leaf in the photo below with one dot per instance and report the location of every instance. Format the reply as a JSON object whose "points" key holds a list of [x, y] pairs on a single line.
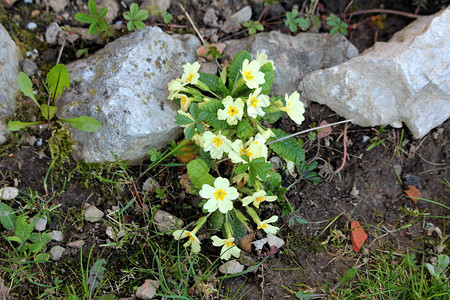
{"points": [[203, 50], [358, 235], [188, 152], [324, 131], [413, 193], [246, 242]]}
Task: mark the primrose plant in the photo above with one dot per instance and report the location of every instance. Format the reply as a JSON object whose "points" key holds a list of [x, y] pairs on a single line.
{"points": [[223, 115], [57, 79]]}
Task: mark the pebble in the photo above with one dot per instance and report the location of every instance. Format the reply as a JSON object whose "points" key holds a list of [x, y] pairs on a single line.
{"points": [[273, 240], [233, 23], [8, 193], [231, 267], [29, 67], [93, 214], [41, 223], [259, 244], [148, 289], [56, 235], [31, 26], [150, 184], [56, 252], [58, 5], [52, 32], [210, 17], [166, 222], [75, 244]]}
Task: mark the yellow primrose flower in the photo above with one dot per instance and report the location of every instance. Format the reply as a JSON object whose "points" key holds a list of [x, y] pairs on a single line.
{"points": [[185, 101], [264, 225], [258, 146], [233, 111], [257, 198], [238, 149], [198, 139], [229, 248], [174, 87], [216, 145], [220, 196], [193, 241], [191, 73], [256, 102], [294, 107], [261, 57], [251, 74]]}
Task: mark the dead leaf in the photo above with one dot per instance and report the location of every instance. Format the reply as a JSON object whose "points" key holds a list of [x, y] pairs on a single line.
{"points": [[246, 242], [324, 131], [413, 193], [188, 152], [204, 49], [358, 235]]}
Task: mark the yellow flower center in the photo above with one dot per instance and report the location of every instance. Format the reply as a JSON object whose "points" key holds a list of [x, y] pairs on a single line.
{"points": [[191, 237], [217, 141], [259, 199], [189, 79], [232, 111], [229, 244], [248, 75], [183, 99], [246, 152], [264, 225], [220, 194], [254, 102]]}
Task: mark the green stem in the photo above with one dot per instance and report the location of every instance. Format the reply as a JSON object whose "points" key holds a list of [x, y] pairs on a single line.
{"points": [[238, 84]]}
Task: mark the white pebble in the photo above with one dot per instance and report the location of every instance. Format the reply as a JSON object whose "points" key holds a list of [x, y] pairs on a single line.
{"points": [[31, 26], [56, 252], [93, 214], [8, 193]]}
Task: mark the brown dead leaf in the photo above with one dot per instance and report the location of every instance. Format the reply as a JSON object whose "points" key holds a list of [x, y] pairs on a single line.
{"points": [[324, 131], [188, 152], [246, 242], [204, 49], [413, 193], [358, 235]]}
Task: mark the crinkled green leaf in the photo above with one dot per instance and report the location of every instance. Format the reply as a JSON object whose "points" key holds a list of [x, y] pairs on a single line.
{"points": [[84, 18], [83, 123], [48, 112], [214, 83], [234, 70], [36, 237], [267, 69], [22, 228], [57, 79], [273, 179], [96, 273], [183, 120], [288, 148], [7, 216], [134, 8], [141, 15], [42, 257], [36, 247], [208, 110], [239, 229], [198, 172], [26, 86], [244, 129], [216, 220]]}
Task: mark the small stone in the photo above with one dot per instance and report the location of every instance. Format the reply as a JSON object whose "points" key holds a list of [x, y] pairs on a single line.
{"points": [[233, 23], [273, 240], [231, 267], [259, 244], [56, 252], [31, 26], [113, 9], [411, 179], [58, 5], [162, 5], [41, 223], [93, 214], [75, 244], [8, 193], [398, 169], [165, 222], [150, 184], [210, 17], [52, 32], [29, 67], [276, 162], [56, 235], [148, 289]]}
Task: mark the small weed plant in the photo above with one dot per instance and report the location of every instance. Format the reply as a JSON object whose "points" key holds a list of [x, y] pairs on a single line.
{"points": [[135, 17], [223, 115], [96, 19]]}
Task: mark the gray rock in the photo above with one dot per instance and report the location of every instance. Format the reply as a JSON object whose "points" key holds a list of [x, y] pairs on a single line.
{"points": [[162, 5], [404, 80], [41, 223], [165, 221], [56, 252], [233, 23], [294, 56], [8, 193], [150, 184], [58, 6], [124, 86], [210, 17], [148, 289], [28, 66], [273, 240], [113, 9], [56, 235], [93, 214], [52, 32], [231, 267]]}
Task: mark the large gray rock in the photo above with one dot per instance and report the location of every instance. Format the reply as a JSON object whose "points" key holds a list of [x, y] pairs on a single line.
{"points": [[9, 70], [124, 86], [294, 56], [404, 80]]}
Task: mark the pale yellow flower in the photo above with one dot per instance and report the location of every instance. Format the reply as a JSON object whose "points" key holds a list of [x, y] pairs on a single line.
{"points": [[261, 57], [185, 101], [233, 111], [198, 139], [229, 248], [256, 102], [257, 198], [219, 196], [252, 75], [174, 87], [191, 73], [193, 241], [264, 225], [294, 107], [216, 145], [257, 147]]}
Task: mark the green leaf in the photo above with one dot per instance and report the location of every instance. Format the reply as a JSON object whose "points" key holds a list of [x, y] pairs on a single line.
{"points": [[287, 148], [167, 17], [96, 274], [57, 79], [334, 30], [48, 112], [308, 295], [15, 239], [26, 86], [93, 7], [83, 123], [22, 228], [36, 247], [183, 120], [198, 172], [234, 70], [244, 129], [190, 132], [7, 216], [17, 125], [93, 28], [267, 69], [315, 21], [209, 110], [273, 179], [102, 12], [239, 229], [302, 23], [139, 25], [214, 83], [216, 220], [141, 15], [36, 237], [348, 276], [134, 8], [42, 257], [84, 18]]}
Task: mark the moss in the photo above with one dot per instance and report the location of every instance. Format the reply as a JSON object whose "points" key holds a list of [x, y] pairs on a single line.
{"points": [[92, 92], [60, 144]]}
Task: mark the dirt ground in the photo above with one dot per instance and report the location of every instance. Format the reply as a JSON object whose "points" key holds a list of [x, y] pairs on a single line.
{"points": [[369, 188]]}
